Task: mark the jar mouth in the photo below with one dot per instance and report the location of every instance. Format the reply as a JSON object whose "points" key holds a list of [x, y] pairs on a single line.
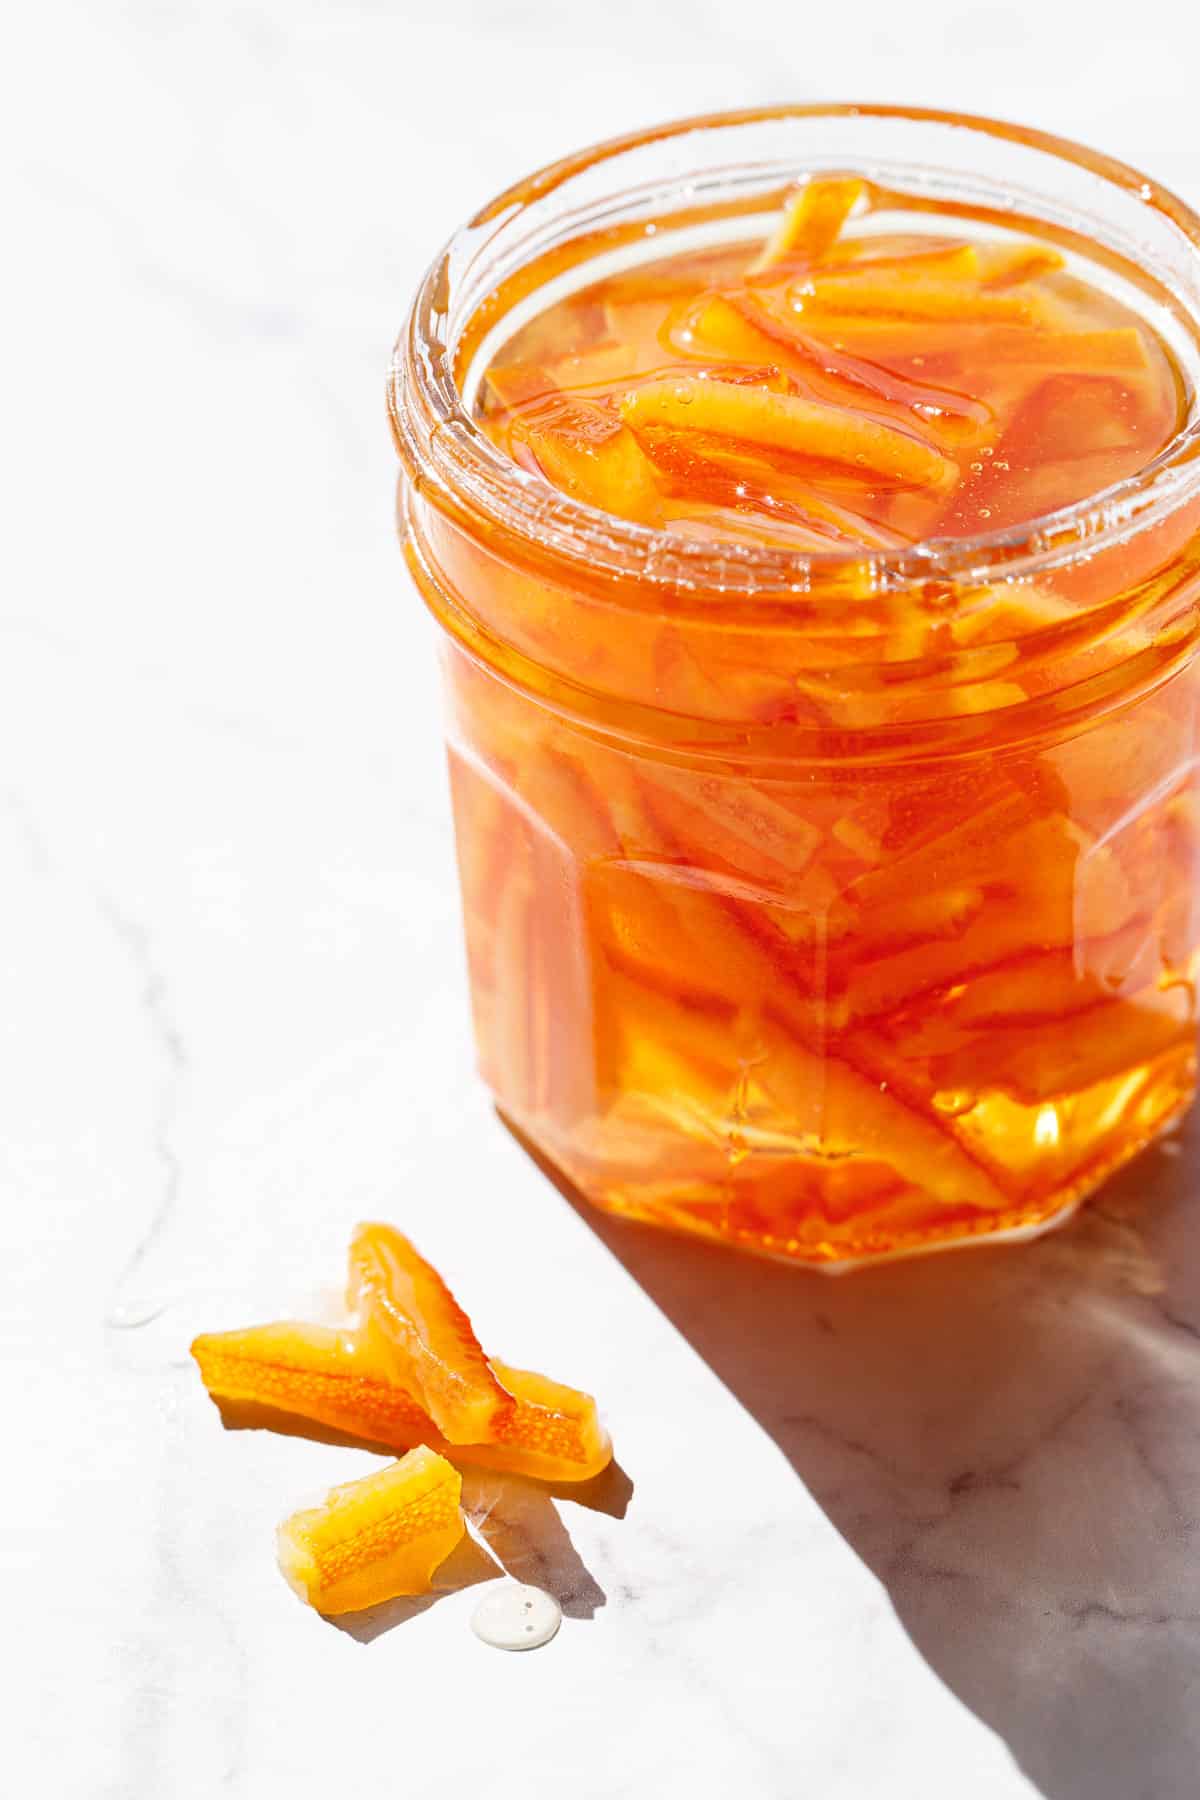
{"points": [[451, 460]]}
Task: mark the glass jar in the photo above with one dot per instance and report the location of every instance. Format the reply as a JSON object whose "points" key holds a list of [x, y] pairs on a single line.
{"points": [[835, 906]]}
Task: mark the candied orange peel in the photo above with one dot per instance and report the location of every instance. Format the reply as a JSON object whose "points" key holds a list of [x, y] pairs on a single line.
{"points": [[374, 1539], [916, 295], [881, 850], [418, 1329], [895, 372], [405, 1379], [811, 220], [592, 456], [789, 423], [412, 1373], [740, 325], [330, 1377], [315, 1373], [422, 1334]]}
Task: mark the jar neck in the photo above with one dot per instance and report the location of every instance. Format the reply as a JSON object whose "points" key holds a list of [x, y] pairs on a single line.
{"points": [[965, 672]]}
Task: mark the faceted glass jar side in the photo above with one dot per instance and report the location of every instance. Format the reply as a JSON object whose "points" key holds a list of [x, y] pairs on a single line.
{"points": [[838, 912], [839, 1012]]}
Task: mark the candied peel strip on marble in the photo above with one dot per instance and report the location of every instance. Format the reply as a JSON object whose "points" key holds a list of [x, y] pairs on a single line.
{"points": [[377, 1538], [551, 1431], [413, 1323], [554, 1428], [788, 423], [811, 220], [313, 1372], [330, 1377]]}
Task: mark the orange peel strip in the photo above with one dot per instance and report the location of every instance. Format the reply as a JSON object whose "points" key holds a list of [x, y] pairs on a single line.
{"points": [[745, 321], [1002, 265], [315, 1373], [811, 221], [957, 262], [373, 1539], [587, 452], [551, 1431], [916, 296], [731, 481], [1067, 1055], [413, 1324], [786, 422], [330, 1377], [1119, 350]]}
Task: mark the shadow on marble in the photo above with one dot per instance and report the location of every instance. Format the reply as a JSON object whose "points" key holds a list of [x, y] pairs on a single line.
{"points": [[1010, 1439], [609, 1492], [520, 1525], [515, 1519]]}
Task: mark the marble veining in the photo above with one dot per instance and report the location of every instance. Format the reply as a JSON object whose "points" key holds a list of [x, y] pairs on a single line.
{"points": [[155, 1006], [928, 1530]]}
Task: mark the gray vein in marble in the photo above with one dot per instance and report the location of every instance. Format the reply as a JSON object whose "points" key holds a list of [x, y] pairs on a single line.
{"points": [[222, 314], [29, 832], [135, 940], [1116, 1615], [178, 1632], [1176, 1321], [152, 679]]}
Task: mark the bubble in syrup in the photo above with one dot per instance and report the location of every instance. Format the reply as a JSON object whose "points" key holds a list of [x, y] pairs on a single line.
{"points": [[516, 1617], [683, 393], [954, 1102], [985, 512]]}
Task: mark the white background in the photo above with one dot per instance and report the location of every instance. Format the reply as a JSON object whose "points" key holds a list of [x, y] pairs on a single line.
{"points": [[883, 1537]]}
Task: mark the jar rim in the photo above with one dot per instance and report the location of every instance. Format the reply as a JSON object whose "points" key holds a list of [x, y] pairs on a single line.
{"points": [[449, 457]]}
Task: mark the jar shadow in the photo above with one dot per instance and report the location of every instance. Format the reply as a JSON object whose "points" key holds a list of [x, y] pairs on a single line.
{"points": [[1010, 1439]]}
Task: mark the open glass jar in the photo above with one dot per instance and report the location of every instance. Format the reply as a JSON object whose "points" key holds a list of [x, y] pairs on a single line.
{"points": [[835, 905]]}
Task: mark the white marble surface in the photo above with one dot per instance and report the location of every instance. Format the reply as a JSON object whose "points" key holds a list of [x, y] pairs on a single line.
{"points": [[931, 1531]]}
